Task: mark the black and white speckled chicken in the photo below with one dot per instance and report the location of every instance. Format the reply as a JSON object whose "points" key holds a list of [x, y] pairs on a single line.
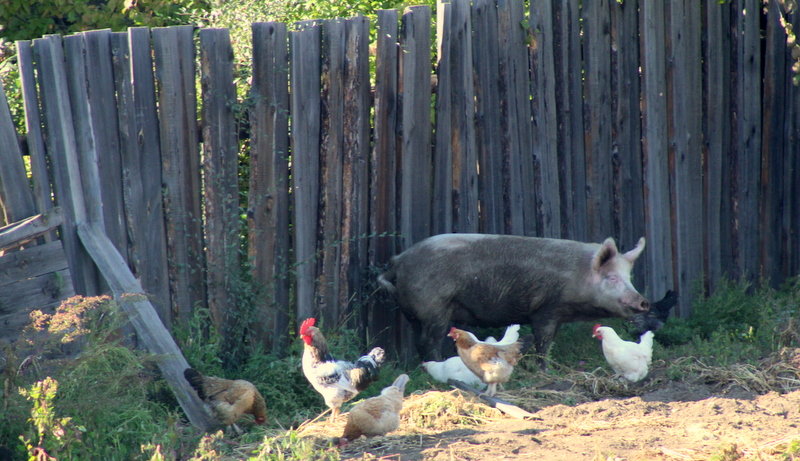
{"points": [[337, 380]]}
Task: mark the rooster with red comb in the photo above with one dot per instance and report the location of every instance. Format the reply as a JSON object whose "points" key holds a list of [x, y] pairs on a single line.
{"points": [[336, 380]]}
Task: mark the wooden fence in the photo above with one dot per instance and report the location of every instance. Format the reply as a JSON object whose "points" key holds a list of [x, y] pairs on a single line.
{"points": [[675, 120]]}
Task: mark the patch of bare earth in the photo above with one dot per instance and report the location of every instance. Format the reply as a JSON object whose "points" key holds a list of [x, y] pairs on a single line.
{"points": [[669, 420]]}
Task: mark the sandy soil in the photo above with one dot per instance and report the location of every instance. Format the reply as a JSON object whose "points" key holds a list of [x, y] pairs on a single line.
{"points": [[667, 419]]}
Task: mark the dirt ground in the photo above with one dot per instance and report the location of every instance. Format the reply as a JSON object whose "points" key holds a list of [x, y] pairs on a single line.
{"points": [[695, 419]]}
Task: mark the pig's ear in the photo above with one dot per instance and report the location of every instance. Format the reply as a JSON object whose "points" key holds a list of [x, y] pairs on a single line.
{"points": [[637, 250], [605, 253]]}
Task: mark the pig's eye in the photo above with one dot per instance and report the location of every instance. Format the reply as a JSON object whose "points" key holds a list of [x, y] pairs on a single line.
{"points": [[613, 278]]}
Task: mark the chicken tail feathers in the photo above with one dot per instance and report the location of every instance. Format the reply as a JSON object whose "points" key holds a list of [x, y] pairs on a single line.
{"points": [[195, 379], [646, 339], [366, 368]]}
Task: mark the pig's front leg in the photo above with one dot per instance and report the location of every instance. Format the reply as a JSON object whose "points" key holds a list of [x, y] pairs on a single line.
{"points": [[544, 331]]}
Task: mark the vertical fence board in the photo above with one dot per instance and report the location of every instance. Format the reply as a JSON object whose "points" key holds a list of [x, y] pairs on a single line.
{"points": [[545, 142], [747, 110], [220, 186], [488, 132], [16, 198], [383, 173], [147, 235], [101, 98], [569, 111], [627, 130], [773, 160], [268, 206], [442, 206], [174, 54], [686, 104], [305, 84], [791, 194], [656, 162], [356, 158], [597, 112], [62, 151], [465, 174], [415, 195], [520, 213], [719, 207], [332, 222], [40, 177]]}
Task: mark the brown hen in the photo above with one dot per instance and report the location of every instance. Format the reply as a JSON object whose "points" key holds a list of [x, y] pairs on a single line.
{"points": [[228, 399], [493, 363], [376, 415]]}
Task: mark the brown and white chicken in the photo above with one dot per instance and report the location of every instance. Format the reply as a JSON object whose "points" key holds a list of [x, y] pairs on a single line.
{"points": [[492, 363], [377, 415], [228, 399]]}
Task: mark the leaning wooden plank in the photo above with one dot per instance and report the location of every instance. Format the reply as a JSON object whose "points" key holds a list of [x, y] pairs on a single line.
{"points": [[305, 46], [30, 228], [506, 407], [268, 199], [40, 178], [128, 292], [16, 199], [220, 167]]}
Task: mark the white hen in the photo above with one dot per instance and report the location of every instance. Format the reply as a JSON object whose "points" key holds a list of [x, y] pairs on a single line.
{"points": [[628, 359], [454, 368]]}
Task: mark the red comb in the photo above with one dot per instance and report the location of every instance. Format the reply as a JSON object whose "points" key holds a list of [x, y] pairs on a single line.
{"points": [[596, 326], [309, 322]]}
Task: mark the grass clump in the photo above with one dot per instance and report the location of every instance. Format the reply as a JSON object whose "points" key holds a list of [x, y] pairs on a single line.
{"points": [[446, 410]]}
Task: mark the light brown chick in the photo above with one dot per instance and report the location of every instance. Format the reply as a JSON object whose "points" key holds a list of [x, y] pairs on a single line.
{"points": [[491, 362], [376, 415], [228, 399]]}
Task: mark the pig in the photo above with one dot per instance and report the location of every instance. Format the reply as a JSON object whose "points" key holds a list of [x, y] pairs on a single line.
{"points": [[489, 280]]}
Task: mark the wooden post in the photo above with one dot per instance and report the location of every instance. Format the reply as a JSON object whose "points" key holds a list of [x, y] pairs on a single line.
{"points": [[15, 194]]}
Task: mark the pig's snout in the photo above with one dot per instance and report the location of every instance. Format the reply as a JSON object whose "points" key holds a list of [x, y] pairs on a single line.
{"points": [[643, 306]]}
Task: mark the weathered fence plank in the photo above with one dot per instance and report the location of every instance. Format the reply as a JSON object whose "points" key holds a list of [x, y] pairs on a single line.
{"points": [[545, 143], [717, 92], [465, 160], [62, 150], [686, 136], [747, 134], [415, 149], [40, 178], [355, 169], [221, 187], [305, 100], [791, 193], [442, 185], [174, 53], [130, 296], [597, 110], [655, 150], [141, 163], [627, 139], [16, 199], [268, 197], [332, 221], [774, 230], [569, 110], [383, 173], [488, 132], [520, 212], [105, 130]]}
